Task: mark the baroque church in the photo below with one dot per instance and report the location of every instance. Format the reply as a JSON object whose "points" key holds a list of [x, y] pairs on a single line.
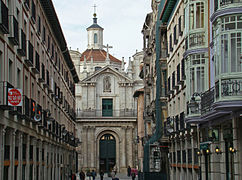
{"points": [[106, 110]]}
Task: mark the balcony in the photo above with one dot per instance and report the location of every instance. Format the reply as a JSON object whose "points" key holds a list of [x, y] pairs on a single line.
{"points": [[42, 76], [207, 99], [4, 18], [98, 113], [13, 34], [229, 2], [36, 68], [4, 86], [30, 56], [26, 107]]}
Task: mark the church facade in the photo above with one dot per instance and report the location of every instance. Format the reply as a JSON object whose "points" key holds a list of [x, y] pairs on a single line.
{"points": [[106, 109]]}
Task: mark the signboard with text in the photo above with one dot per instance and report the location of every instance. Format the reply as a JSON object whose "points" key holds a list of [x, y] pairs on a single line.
{"points": [[14, 97]]}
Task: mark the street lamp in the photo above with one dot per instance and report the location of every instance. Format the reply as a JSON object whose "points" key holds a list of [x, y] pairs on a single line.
{"points": [[193, 105], [217, 150]]}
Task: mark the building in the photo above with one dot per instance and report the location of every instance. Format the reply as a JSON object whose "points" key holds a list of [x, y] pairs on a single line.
{"points": [[183, 82], [38, 137], [154, 72], [219, 105], [106, 109]]}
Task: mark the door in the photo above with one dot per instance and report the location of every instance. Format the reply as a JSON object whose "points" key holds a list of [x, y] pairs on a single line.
{"points": [[107, 107], [107, 152]]}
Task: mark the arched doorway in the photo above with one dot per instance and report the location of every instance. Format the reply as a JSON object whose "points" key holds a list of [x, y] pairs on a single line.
{"points": [[107, 150]]}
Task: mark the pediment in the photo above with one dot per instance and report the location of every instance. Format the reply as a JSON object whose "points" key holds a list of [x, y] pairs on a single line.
{"points": [[107, 70]]}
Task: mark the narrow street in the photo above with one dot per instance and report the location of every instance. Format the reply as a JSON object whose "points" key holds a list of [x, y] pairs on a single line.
{"points": [[121, 176]]}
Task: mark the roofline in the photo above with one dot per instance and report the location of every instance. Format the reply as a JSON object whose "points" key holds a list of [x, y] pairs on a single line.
{"points": [[53, 20]]}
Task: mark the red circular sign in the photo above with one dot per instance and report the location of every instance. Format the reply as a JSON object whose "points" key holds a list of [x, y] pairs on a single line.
{"points": [[14, 97]]}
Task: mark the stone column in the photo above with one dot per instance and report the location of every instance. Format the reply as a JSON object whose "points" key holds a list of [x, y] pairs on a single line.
{"points": [[129, 143], [85, 146], [94, 150], [12, 139], [236, 157], [2, 136], [20, 152], [27, 157], [34, 143], [123, 164]]}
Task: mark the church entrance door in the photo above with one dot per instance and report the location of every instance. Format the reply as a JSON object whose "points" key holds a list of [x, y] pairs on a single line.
{"points": [[107, 152]]}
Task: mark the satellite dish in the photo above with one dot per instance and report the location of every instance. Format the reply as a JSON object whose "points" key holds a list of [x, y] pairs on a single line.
{"points": [[37, 118]]}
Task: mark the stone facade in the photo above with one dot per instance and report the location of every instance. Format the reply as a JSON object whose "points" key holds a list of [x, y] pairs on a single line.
{"points": [[37, 138], [105, 105]]}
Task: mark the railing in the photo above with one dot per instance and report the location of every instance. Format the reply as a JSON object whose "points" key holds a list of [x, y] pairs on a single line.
{"points": [[226, 2], [196, 39], [231, 87], [4, 86], [99, 113], [207, 99]]}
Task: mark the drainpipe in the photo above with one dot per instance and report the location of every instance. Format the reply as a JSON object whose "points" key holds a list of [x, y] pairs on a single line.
{"points": [[158, 116]]}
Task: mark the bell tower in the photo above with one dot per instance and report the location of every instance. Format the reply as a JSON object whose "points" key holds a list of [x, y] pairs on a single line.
{"points": [[95, 34]]}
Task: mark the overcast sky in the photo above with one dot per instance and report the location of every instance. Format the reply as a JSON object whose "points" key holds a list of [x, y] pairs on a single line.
{"points": [[122, 21]]}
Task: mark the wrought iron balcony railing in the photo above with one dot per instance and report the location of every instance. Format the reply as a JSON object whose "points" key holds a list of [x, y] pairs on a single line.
{"points": [[101, 113], [231, 87], [207, 99]]}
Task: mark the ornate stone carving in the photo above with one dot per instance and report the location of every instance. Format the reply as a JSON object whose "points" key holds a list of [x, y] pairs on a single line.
{"points": [[107, 84]]}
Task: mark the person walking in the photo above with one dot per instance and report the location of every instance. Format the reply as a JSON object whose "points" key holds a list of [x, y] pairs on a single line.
{"points": [[129, 171], [113, 175], [93, 174], [115, 169], [82, 175], [133, 175], [101, 175], [73, 177]]}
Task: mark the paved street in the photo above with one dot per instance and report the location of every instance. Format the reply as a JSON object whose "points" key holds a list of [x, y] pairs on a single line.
{"points": [[119, 175]]}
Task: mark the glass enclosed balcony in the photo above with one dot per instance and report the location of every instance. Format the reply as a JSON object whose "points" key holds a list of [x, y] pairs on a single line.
{"points": [[221, 4]]}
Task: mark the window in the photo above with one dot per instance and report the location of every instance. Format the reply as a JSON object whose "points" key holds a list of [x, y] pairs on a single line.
{"points": [[95, 38], [10, 71], [180, 25], [171, 49], [97, 68], [197, 71], [178, 156], [173, 80], [175, 37], [33, 12], [228, 45], [107, 107], [18, 78], [196, 15], [178, 73], [44, 35]]}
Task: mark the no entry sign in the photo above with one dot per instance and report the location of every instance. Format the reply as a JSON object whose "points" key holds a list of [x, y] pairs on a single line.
{"points": [[14, 97]]}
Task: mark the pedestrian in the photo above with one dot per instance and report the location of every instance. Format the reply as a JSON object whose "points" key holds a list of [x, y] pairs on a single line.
{"points": [[129, 171], [113, 175], [93, 174], [133, 175], [73, 177], [101, 174], [115, 169], [82, 175]]}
